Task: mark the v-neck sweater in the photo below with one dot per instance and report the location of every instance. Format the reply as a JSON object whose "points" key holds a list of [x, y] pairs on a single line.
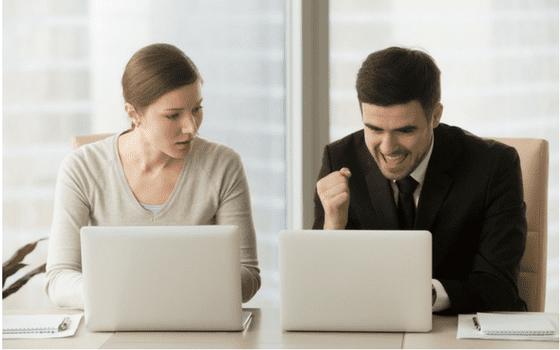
{"points": [[92, 189]]}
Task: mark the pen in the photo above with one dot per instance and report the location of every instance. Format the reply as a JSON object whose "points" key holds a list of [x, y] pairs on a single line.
{"points": [[64, 324], [476, 324]]}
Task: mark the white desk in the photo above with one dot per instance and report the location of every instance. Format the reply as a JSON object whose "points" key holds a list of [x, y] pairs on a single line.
{"points": [[265, 332]]}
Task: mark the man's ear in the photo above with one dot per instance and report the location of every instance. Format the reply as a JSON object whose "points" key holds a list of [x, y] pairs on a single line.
{"points": [[436, 115], [133, 115]]}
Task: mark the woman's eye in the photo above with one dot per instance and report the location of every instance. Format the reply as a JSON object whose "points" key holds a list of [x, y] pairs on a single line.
{"points": [[173, 116]]}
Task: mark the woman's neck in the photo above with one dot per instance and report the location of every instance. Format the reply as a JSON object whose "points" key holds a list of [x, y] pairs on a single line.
{"points": [[135, 149]]}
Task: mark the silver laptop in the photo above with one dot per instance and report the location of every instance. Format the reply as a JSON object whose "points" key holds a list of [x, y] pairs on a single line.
{"points": [[162, 278], [378, 281]]}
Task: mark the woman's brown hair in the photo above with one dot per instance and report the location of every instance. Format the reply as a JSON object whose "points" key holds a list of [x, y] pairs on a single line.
{"points": [[154, 71]]}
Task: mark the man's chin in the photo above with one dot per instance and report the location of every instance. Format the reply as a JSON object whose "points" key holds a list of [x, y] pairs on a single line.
{"points": [[398, 173], [394, 175]]}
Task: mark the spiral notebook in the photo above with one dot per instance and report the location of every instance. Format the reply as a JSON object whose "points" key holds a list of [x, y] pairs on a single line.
{"points": [[524, 321], [513, 324], [39, 326]]}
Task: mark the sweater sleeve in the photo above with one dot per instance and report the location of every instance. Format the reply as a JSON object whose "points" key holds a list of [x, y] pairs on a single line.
{"points": [[235, 209], [63, 279]]}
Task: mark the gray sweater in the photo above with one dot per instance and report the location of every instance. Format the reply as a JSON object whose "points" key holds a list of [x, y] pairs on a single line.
{"points": [[92, 189]]}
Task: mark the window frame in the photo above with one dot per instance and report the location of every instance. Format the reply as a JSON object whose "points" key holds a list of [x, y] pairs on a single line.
{"points": [[307, 104]]}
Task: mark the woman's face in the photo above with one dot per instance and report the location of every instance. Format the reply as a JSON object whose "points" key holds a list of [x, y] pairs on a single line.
{"points": [[171, 122]]}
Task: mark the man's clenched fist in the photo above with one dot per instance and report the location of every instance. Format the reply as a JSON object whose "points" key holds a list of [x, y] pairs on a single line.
{"points": [[335, 197]]}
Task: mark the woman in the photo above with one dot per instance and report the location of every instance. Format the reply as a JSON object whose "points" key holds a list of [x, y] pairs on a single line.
{"points": [[157, 173]]}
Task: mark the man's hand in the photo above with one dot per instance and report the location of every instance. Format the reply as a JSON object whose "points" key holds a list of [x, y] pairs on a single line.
{"points": [[335, 197]]}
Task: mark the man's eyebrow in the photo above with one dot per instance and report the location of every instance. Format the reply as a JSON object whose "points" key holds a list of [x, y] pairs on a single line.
{"points": [[404, 128], [373, 127], [408, 128]]}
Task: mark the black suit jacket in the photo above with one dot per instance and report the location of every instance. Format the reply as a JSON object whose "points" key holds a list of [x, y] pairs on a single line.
{"points": [[471, 201]]}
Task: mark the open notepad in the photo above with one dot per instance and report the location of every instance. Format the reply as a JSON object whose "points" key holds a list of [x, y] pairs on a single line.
{"points": [[509, 326], [518, 324], [39, 326]]}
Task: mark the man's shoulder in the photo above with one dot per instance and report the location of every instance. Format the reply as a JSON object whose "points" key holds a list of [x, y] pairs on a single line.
{"points": [[351, 152], [466, 148], [351, 141], [463, 140]]}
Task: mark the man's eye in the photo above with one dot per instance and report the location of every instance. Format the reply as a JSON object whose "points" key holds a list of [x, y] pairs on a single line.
{"points": [[197, 109]]}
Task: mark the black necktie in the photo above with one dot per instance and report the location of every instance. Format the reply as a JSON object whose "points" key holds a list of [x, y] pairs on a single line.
{"points": [[406, 208]]}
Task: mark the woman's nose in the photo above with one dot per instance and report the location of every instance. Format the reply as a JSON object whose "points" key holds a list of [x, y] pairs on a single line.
{"points": [[189, 125]]}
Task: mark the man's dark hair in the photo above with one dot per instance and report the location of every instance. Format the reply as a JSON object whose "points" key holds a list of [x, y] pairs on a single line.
{"points": [[399, 75]]}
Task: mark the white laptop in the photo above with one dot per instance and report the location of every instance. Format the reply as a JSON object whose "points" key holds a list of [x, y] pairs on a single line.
{"points": [[162, 278], [361, 281]]}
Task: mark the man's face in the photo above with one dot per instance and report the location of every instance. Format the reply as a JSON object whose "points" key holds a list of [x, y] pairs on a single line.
{"points": [[399, 136]]}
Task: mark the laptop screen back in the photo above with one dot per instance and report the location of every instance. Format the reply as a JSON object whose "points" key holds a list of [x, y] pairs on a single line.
{"points": [[356, 280], [161, 278]]}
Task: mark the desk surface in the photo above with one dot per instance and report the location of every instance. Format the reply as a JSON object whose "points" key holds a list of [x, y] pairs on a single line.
{"points": [[264, 332]]}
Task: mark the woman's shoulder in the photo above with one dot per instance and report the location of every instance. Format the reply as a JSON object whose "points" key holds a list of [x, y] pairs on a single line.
{"points": [[217, 161], [91, 157], [216, 152]]}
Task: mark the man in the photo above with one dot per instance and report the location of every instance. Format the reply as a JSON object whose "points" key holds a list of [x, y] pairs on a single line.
{"points": [[406, 170]]}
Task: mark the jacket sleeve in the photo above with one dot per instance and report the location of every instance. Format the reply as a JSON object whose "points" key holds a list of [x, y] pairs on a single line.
{"points": [[326, 169], [329, 164], [492, 282]]}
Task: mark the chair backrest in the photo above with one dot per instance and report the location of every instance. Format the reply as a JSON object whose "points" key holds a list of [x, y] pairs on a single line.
{"points": [[78, 141], [533, 154]]}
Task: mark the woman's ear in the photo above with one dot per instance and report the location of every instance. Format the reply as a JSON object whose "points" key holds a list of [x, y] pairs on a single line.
{"points": [[132, 114]]}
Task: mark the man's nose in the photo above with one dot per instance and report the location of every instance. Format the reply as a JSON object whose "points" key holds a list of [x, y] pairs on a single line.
{"points": [[389, 144]]}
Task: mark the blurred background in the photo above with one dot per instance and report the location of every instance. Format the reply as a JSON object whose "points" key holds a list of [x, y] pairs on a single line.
{"points": [[62, 62]]}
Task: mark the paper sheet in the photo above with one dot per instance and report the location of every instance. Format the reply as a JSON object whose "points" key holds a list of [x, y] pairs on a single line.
{"points": [[466, 329], [21, 319]]}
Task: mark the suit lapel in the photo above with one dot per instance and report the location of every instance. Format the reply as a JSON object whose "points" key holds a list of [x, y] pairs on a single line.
{"points": [[436, 185]]}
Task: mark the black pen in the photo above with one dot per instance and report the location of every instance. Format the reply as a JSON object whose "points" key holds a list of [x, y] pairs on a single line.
{"points": [[64, 324], [476, 324]]}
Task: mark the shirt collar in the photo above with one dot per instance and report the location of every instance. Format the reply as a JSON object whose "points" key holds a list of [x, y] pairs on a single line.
{"points": [[420, 172]]}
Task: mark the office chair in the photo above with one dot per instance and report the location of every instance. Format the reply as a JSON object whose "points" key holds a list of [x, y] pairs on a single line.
{"points": [[78, 141], [533, 154]]}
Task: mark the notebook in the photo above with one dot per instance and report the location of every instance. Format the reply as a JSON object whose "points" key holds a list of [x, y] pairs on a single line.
{"points": [[162, 278], [513, 324], [347, 280], [25, 324], [40, 326]]}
